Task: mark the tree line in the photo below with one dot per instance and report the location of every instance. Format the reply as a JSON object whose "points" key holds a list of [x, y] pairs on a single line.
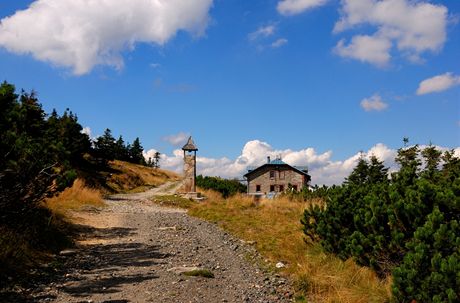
{"points": [[224, 186], [107, 148], [406, 223]]}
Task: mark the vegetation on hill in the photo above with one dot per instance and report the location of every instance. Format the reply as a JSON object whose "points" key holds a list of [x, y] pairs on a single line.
{"points": [[224, 186], [41, 155], [407, 223]]}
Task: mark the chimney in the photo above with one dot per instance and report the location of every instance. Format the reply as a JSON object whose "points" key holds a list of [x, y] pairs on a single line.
{"points": [[268, 159]]}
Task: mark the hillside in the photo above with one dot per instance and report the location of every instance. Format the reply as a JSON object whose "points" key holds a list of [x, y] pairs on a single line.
{"points": [[54, 230], [123, 177]]}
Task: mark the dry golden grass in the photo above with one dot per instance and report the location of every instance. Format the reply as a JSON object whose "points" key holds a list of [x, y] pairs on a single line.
{"points": [[134, 178], [275, 227], [74, 198]]}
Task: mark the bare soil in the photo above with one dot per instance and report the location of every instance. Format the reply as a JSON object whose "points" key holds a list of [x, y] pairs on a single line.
{"points": [[133, 250]]}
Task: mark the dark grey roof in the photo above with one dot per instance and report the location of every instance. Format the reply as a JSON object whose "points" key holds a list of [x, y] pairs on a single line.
{"points": [[190, 145], [277, 163]]}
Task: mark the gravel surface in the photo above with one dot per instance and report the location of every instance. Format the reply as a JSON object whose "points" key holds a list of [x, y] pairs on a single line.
{"points": [[135, 251]]}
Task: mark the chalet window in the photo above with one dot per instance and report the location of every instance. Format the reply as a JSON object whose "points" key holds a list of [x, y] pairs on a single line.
{"points": [[282, 174], [257, 187], [272, 174], [281, 188], [272, 187]]}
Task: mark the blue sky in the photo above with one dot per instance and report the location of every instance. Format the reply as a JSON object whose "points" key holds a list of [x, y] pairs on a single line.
{"points": [[311, 78]]}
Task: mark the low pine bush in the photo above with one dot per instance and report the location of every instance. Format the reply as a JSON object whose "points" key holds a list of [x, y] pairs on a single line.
{"points": [[406, 224]]}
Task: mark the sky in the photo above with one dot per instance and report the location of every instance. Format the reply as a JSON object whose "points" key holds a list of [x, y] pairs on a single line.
{"points": [[317, 82]]}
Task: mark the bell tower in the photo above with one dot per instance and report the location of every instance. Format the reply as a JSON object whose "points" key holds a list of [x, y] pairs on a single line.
{"points": [[190, 150]]}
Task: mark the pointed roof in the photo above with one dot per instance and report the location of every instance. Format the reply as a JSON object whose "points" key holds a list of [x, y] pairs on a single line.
{"points": [[190, 145]]}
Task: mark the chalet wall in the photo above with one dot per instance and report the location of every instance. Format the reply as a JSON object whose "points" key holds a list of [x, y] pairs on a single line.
{"points": [[263, 179]]}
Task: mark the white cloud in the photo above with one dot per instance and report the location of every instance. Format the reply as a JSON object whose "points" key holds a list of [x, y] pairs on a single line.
{"points": [[280, 42], [177, 139], [262, 32], [321, 167], [294, 7], [86, 130], [413, 27], [80, 34], [373, 103], [438, 83], [149, 154], [371, 49]]}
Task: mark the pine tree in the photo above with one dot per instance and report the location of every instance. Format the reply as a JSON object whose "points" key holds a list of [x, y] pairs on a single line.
{"points": [[105, 147], [156, 160], [121, 151], [136, 152], [408, 224]]}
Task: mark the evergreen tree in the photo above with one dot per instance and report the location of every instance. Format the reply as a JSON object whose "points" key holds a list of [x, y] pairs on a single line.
{"points": [[105, 147], [156, 160], [408, 224], [121, 151], [136, 152], [35, 162]]}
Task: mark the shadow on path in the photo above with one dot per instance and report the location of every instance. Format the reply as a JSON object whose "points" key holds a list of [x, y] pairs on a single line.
{"points": [[93, 268]]}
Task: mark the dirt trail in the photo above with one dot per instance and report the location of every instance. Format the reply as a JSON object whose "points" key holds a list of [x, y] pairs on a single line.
{"points": [[132, 250]]}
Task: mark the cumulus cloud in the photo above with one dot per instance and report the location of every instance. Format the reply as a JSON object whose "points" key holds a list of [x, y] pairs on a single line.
{"points": [[322, 168], [280, 42], [177, 139], [373, 103], [370, 49], [262, 32], [80, 34], [412, 27], [149, 154], [438, 83], [86, 130], [294, 7]]}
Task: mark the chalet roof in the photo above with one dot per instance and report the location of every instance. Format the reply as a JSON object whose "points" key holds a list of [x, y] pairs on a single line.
{"points": [[278, 163], [190, 145]]}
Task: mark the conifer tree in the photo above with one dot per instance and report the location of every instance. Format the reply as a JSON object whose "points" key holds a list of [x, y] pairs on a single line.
{"points": [[105, 146], [121, 152], [136, 152], [156, 160]]}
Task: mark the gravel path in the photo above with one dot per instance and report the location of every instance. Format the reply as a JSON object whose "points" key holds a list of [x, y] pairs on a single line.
{"points": [[133, 251]]}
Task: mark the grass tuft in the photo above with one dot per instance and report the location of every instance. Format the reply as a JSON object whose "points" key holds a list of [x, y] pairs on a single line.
{"points": [[173, 201]]}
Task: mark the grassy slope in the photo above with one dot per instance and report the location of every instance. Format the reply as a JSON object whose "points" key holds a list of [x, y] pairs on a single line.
{"points": [[17, 249], [275, 227], [120, 177]]}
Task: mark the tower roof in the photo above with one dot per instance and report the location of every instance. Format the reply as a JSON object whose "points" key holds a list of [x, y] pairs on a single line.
{"points": [[190, 145]]}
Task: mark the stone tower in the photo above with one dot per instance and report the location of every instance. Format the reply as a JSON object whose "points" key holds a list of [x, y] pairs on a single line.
{"points": [[189, 166]]}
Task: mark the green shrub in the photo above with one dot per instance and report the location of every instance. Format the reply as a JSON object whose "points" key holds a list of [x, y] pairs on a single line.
{"points": [[224, 186], [407, 223]]}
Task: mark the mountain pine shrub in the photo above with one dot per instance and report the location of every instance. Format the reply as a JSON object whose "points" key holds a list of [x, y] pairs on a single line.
{"points": [[406, 223]]}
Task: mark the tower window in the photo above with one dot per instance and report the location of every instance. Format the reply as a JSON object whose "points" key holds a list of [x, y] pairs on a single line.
{"points": [[257, 187], [272, 174], [272, 187]]}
